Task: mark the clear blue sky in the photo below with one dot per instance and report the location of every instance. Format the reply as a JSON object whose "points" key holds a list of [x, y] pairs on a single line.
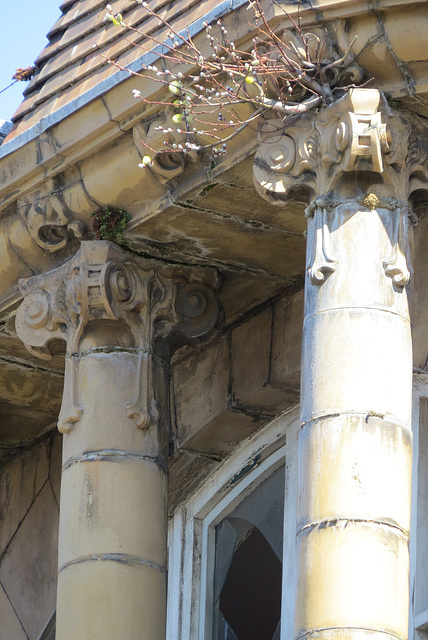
{"points": [[22, 38]]}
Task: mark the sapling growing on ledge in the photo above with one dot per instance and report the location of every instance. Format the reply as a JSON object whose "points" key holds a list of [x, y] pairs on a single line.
{"points": [[212, 97]]}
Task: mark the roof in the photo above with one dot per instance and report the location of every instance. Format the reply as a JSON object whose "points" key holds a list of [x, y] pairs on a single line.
{"points": [[73, 68]]}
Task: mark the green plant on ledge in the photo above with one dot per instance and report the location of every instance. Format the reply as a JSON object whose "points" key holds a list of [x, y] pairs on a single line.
{"points": [[213, 91], [109, 223]]}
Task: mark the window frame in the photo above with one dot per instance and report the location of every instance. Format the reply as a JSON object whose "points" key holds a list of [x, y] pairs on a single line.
{"points": [[418, 622], [191, 544]]}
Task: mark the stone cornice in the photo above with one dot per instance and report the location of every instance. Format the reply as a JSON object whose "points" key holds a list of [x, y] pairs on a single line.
{"points": [[66, 136], [331, 10], [48, 223], [53, 181]]}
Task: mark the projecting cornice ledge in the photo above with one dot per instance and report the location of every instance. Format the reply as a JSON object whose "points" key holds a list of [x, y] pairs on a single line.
{"points": [[44, 226], [55, 176]]}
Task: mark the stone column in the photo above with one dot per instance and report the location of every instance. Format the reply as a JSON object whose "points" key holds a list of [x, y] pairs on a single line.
{"points": [[120, 318], [355, 445]]}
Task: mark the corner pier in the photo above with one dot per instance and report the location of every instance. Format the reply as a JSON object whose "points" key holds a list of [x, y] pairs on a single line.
{"points": [[356, 163], [121, 318]]}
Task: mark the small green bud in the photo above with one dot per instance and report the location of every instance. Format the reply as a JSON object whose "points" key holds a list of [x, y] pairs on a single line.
{"points": [[249, 79], [177, 118], [175, 87]]}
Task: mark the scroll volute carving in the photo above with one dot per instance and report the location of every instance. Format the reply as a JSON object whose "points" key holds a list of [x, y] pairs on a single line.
{"points": [[316, 149], [165, 165], [152, 311], [50, 223], [356, 150]]}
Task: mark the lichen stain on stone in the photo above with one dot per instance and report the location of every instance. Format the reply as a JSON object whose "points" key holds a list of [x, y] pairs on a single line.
{"points": [[88, 500]]}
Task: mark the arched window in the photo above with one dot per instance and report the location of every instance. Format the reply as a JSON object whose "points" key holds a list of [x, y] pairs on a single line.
{"points": [[231, 545], [418, 628], [248, 565]]}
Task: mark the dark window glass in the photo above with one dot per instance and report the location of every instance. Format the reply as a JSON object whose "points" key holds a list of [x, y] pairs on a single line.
{"points": [[248, 567]]}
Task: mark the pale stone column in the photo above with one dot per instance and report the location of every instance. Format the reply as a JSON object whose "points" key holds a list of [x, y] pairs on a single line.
{"points": [[355, 443], [120, 317]]}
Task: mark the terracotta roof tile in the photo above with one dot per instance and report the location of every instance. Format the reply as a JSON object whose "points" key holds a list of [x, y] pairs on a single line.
{"points": [[83, 67], [75, 12], [33, 118], [97, 34], [73, 63], [72, 35], [66, 4], [25, 107], [78, 32]]}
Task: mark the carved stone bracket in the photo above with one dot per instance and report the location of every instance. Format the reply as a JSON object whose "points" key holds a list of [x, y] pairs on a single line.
{"points": [[165, 165], [48, 219], [152, 311]]}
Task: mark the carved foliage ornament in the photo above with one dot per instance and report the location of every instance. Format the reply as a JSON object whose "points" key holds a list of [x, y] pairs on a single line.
{"points": [[317, 149], [78, 301]]}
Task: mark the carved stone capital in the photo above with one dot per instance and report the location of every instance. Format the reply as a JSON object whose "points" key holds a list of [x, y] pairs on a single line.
{"points": [[356, 156], [105, 299], [347, 148]]}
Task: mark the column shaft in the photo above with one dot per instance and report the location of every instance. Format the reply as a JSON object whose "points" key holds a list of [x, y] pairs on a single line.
{"points": [[121, 318], [360, 166], [112, 551], [355, 441]]}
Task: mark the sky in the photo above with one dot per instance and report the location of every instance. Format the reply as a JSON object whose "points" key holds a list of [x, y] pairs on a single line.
{"points": [[22, 38]]}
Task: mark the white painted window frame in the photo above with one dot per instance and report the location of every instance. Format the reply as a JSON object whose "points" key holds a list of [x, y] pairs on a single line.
{"points": [[419, 622], [192, 528]]}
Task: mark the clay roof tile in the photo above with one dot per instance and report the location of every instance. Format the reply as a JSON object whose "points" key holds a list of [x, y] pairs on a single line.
{"points": [[81, 40]]}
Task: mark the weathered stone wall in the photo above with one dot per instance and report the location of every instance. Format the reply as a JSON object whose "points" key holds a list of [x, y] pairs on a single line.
{"points": [[419, 294], [222, 393], [29, 499]]}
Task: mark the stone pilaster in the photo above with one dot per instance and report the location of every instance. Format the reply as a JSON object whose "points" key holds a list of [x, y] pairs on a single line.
{"points": [[358, 165], [120, 318]]}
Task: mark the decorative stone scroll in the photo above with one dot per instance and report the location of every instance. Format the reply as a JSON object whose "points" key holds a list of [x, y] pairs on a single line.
{"points": [[49, 221], [151, 310], [322, 261], [165, 166], [355, 150], [317, 149]]}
